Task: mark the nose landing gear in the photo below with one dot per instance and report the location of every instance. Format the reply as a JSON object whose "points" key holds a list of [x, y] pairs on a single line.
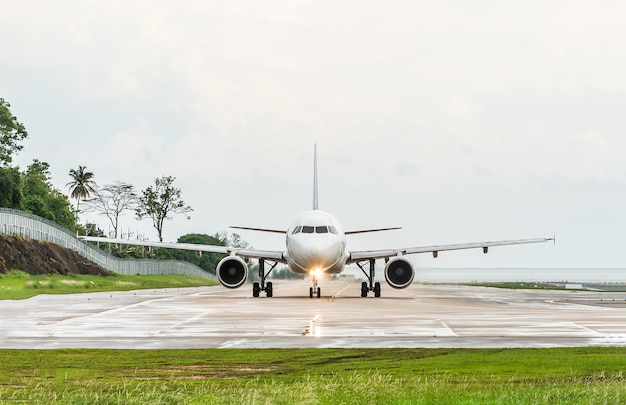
{"points": [[315, 290]]}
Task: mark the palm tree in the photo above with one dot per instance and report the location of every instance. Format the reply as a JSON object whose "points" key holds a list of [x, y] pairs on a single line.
{"points": [[81, 185]]}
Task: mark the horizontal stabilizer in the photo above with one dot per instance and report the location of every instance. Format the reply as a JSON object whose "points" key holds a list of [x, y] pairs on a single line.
{"points": [[372, 230], [259, 229]]}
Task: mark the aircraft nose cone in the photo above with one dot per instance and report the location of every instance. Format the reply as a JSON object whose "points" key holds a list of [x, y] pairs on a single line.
{"points": [[316, 254], [322, 254], [326, 253]]}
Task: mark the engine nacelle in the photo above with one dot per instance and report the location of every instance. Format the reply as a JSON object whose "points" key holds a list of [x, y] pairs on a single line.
{"points": [[399, 272], [232, 272]]}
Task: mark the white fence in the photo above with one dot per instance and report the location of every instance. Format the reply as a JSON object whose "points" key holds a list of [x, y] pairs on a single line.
{"points": [[18, 223]]}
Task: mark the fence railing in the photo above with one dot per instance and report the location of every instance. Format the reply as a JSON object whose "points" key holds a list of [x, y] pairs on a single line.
{"points": [[19, 223]]}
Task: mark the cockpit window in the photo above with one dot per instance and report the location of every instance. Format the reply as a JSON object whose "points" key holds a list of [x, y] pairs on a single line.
{"points": [[321, 229], [314, 229]]}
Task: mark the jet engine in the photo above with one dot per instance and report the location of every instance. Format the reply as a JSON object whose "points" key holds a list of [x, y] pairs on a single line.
{"points": [[399, 272], [232, 272]]}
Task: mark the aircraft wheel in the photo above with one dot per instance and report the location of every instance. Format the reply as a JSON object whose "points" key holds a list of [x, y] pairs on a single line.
{"points": [[255, 289], [377, 289], [311, 292], [319, 292], [363, 289], [269, 290]]}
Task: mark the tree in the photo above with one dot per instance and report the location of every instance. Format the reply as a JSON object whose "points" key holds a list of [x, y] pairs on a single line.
{"points": [[284, 273], [10, 187], [159, 202], [111, 200], [81, 185], [206, 261], [42, 199], [233, 240], [36, 189], [61, 209], [11, 133]]}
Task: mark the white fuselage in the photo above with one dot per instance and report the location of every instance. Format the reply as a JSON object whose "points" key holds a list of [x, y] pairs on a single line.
{"points": [[316, 244]]}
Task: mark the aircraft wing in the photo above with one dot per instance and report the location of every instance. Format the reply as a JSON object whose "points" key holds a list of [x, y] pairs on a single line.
{"points": [[359, 255], [274, 255]]}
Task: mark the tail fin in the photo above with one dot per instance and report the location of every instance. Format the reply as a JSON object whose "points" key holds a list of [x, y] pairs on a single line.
{"points": [[315, 205]]}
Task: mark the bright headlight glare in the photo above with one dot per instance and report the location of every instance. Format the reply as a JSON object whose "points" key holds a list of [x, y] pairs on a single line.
{"points": [[316, 273]]}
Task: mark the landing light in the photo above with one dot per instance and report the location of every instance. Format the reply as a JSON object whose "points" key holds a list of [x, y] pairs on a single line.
{"points": [[317, 273]]}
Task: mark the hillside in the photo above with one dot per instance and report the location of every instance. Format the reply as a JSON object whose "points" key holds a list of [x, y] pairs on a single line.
{"points": [[36, 257]]}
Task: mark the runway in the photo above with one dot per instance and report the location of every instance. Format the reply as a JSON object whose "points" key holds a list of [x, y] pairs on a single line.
{"points": [[419, 316]]}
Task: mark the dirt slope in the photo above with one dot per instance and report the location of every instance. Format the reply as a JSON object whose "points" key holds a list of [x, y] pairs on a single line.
{"points": [[36, 257]]}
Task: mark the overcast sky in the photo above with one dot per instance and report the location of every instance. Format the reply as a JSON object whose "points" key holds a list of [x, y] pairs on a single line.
{"points": [[459, 121]]}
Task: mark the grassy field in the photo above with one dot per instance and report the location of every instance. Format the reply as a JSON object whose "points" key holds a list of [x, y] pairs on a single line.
{"points": [[19, 285], [288, 376], [516, 285], [312, 376]]}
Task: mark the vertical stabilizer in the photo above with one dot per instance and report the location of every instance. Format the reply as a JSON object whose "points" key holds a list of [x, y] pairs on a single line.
{"points": [[315, 206]]}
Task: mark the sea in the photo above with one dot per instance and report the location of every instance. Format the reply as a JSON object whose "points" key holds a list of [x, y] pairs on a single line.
{"points": [[588, 275], [462, 275]]}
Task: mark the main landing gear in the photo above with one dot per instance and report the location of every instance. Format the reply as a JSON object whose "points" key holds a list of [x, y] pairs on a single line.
{"points": [[315, 290], [263, 286], [369, 285]]}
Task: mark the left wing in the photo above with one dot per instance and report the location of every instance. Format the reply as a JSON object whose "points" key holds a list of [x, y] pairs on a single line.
{"points": [[359, 255], [274, 255]]}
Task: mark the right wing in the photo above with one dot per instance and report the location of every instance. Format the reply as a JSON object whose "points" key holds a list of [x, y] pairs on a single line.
{"points": [[274, 255], [359, 255]]}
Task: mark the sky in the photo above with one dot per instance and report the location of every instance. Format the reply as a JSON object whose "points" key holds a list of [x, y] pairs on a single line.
{"points": [[458, 121]]}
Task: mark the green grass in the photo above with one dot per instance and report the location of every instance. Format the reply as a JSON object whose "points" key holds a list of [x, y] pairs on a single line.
{"points": [[310, 376], [515, 285], [19, 285]]}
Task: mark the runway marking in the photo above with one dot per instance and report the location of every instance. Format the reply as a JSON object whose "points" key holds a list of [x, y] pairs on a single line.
{"points": [[416, 298], [334, 297], [445, 325], [595, 332], [169, 328], [312, 330], [232, 343], [114, 310], [101, 313]]}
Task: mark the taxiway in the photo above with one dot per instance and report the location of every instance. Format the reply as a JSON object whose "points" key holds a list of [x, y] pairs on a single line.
{"points": [[419, 316]]}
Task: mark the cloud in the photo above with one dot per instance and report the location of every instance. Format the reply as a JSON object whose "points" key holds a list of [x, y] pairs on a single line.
{"points": [[137, 150], [466, 117]]}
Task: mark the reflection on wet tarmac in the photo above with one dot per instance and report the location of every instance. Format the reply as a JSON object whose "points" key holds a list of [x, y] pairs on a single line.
{"points": [[419, 316]]}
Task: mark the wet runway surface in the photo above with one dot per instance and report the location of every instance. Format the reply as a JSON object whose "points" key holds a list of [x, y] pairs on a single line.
{"points": [[419, 316]]}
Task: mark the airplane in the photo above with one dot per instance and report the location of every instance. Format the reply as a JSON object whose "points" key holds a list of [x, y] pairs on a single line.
{"points": [[315, 247]]}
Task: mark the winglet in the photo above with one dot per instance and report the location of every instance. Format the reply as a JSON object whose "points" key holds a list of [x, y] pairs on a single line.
{"points": [[315, 205]]}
